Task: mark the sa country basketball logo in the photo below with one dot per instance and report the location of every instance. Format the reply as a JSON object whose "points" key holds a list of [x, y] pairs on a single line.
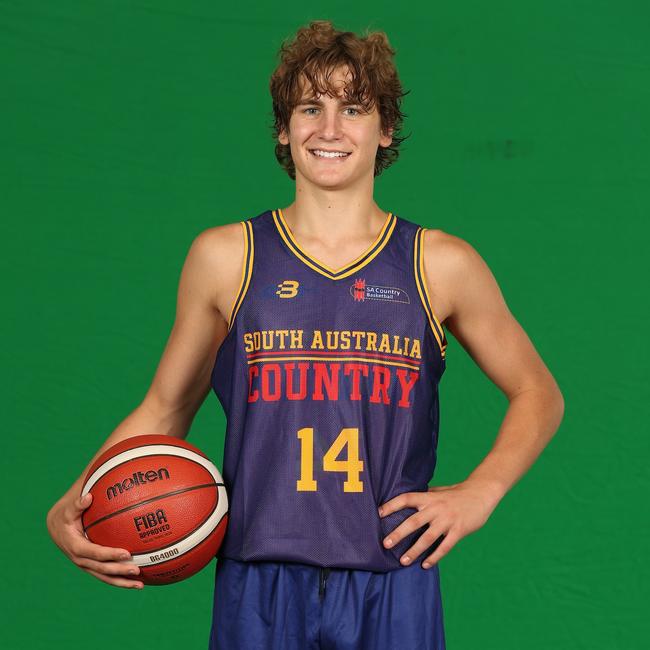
{"points": [[287, 289], [361, 291]]}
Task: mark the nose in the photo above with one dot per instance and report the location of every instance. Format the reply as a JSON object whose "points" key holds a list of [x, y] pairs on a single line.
{"points": [[330, 125]]}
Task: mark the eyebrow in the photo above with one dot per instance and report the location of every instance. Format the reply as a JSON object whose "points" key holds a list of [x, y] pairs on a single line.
{"points": [[318, 102]]}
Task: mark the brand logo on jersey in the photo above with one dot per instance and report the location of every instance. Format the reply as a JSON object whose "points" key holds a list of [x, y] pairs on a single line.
{"points": [[287, 289], [361, 291]]}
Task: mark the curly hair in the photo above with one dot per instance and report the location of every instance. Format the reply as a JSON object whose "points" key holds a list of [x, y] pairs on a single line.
{"points": [[315, 52]]}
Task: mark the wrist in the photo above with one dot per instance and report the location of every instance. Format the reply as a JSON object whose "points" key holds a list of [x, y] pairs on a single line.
{"points": [[492, 489]]}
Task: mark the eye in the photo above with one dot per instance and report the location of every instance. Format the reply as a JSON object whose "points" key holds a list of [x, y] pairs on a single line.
{"points": [[349, 108]]}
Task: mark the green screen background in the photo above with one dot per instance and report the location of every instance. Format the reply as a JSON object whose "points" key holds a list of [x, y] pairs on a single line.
{"points": [[129, 127]]}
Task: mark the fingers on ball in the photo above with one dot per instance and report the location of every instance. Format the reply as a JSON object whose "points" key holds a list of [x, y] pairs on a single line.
{"points": [[117, 582]]}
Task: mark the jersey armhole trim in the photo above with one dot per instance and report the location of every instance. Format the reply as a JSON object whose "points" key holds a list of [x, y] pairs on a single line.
{"points": [[420, 282], [246, 272]]}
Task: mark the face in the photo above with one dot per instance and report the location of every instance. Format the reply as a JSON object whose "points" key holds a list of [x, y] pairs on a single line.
{"points": [[331, 124]]}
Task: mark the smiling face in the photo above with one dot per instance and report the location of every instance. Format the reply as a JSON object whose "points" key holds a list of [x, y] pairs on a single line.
{"points": [[322, 124]]}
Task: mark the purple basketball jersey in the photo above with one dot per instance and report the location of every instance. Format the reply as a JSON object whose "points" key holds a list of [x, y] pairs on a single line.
{"points": [[329, 382]]}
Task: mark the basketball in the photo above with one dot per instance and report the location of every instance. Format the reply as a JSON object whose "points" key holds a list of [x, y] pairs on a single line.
{"points": [[161, 499]]}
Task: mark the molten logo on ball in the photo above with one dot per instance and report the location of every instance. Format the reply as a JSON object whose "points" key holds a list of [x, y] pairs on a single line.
{"points": [[138, 478]]}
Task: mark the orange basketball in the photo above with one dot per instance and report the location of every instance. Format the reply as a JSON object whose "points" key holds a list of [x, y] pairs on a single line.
{"points": [[161, 499]]}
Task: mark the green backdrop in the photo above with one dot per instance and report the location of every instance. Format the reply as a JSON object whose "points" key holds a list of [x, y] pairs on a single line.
{"points": [[128, 127]]}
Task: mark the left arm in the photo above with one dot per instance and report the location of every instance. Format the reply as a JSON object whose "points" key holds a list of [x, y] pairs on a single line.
{"points": [[482, 323]]}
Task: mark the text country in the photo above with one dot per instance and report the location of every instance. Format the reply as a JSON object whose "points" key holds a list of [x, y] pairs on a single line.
{"points": [[317, 381]]}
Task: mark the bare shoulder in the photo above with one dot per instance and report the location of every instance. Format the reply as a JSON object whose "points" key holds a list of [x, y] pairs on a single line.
{"points": [[221, 237], [459, 274], [219, 253], [478, 316], [447, 260], [446, 250]]}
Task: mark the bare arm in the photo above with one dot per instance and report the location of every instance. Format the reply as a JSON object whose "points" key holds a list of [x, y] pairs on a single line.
{"points": [[179, 387], [482, 323]]}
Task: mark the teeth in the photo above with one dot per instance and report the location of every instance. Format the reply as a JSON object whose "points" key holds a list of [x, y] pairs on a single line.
{"points": [[329, 154]]}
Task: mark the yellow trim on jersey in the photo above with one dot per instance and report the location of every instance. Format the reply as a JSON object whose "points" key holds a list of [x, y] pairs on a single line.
{"points": [[303, 357], [247, 268], [423, 290], [348, 269]]}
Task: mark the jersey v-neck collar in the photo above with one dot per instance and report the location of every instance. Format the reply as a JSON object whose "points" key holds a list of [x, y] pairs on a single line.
{"points": [[348, 269]]}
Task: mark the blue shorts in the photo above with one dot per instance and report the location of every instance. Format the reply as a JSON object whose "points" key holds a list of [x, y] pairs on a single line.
{"points": [[293, 606]]}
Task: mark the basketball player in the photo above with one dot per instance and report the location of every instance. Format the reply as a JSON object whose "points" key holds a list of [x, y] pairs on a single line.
{"points": [[322, 328]]}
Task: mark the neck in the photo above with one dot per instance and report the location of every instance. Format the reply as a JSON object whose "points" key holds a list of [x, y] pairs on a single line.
{"points": [[333, 217]]}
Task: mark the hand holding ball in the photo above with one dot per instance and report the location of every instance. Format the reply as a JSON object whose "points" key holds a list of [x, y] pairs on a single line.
{"points": [[160, 498]]}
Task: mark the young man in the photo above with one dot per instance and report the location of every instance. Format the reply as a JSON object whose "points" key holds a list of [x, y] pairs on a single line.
{"points": [[326, 319]]}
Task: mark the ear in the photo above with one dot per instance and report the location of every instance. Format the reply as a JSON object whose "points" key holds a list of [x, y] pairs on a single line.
{"points": [[386, 138], [282, 137]]}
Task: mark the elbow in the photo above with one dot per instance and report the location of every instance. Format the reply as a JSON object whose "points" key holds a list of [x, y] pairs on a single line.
{"points": [[558, 405]]}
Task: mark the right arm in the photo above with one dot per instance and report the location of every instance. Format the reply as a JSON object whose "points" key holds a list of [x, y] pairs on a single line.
{"points": [[179, 387]]}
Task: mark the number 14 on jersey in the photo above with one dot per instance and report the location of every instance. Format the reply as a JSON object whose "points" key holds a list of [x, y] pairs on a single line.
{"points": [[352, 466]]}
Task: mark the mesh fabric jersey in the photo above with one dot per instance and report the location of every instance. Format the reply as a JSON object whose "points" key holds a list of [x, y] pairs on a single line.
{"points": [[329, 382]]}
